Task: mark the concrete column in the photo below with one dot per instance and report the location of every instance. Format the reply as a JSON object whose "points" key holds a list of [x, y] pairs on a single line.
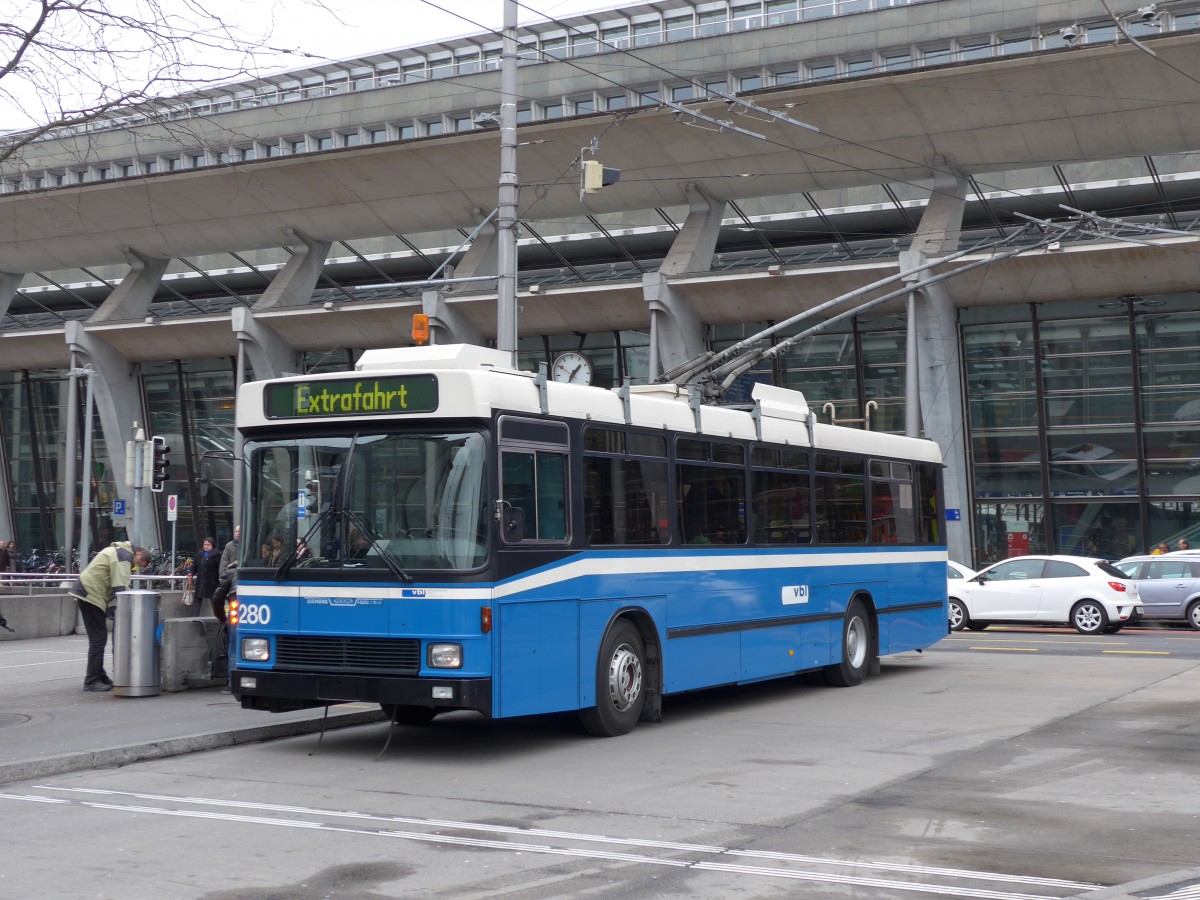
{"points": [[9, 282], [118, 399], [676, 332], [270, 356], [936, 405], [446, 324], [692, 249], [131, 299], [943, 407], [294, 284], [481, 257]]}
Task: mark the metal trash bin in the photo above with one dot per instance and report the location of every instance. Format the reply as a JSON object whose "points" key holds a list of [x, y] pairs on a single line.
{"points": [[135, 644]]}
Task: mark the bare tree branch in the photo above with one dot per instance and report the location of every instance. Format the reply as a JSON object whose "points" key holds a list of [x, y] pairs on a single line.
{"points": [[67, 63]]}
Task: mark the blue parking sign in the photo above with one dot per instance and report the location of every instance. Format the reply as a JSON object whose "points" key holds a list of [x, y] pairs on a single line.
{"points": [[118, 508]]}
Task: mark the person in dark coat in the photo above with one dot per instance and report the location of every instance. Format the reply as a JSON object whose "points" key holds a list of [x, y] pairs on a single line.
{"points": [[206, 566]]}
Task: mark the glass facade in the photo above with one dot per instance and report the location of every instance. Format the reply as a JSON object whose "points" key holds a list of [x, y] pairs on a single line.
{"points": [[1083, 425]]}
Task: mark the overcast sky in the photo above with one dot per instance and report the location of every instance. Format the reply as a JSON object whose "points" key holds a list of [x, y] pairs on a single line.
{"points": [[370, 25], [320, 29]]}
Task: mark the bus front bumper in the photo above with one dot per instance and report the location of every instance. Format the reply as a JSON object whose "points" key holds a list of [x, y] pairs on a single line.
{"points": [[284, 691]]}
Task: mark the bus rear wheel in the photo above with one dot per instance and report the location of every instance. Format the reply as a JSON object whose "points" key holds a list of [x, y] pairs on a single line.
{"points": [[620, 683], [856, 648], [409, 715]]}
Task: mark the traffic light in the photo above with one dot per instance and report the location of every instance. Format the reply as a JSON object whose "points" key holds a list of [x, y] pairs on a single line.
{"points": [[595, 176], [162, 461]]}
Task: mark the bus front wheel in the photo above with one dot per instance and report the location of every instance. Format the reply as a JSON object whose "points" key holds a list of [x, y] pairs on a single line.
{"points": [[856, 648], [620, 683]]}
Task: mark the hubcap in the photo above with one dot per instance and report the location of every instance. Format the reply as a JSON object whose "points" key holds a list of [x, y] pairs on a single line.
{"points": [[624, 678], [956, 615], [856, 642], [1088, 617]]}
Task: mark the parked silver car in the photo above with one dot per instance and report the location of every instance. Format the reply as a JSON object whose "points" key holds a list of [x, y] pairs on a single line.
{"points": [[1169, 585]]}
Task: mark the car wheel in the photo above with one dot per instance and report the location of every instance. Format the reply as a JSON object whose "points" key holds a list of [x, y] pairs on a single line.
{"points": [[959, 617], [857, 648], [1193, 615], [620, 683], [409, 715], [1089, 617]]}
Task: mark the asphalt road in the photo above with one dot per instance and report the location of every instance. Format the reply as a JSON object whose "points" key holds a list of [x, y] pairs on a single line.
{"points": [[1044, 766]]}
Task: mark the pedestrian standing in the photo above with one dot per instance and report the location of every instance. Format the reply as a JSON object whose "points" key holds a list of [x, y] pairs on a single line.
{"points": [[95, 590], [206, 566], [5, 562]]}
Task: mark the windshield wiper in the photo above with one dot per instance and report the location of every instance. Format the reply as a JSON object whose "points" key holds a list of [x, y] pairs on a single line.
{"points": [[368, 532], [290, 559]]}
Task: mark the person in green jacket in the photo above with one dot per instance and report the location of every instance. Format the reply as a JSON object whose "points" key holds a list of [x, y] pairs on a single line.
{"points": [[110, 571]]}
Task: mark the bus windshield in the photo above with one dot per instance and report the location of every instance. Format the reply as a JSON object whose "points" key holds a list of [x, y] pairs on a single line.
{"points": [[367, 501]]}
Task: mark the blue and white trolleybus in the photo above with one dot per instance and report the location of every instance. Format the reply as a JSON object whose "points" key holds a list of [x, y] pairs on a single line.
{"points": [[439, 531]]}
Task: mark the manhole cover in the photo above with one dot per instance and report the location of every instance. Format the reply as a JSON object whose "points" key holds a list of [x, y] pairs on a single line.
{"points": [[12, 719]]}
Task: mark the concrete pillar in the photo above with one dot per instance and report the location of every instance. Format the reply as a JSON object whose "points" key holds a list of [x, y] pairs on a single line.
{"points": [[269, 355], [294, 284], [118, 399], [131, 299], [676, 332], [447, 325], [9, 282], [692, 249], [482, 257], [934, 382]]}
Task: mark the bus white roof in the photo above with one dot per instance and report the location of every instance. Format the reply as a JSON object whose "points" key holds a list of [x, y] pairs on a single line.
{"points": [[475, 382]]}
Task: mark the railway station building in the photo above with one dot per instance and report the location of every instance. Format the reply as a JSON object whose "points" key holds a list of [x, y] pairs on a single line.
{"points": [[981, 219]]}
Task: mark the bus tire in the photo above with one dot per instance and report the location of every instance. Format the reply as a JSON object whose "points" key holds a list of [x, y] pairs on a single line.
{"points": [[620, 683], [409, 715], [856, 648]]}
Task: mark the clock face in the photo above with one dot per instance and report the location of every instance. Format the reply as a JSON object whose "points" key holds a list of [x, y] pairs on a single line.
{"points": [[572, 368]]}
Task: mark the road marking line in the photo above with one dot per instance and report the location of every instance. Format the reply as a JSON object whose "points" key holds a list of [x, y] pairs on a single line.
{"points": [[1140, 652], [1009, 649], [563, 835], [520, 847]]}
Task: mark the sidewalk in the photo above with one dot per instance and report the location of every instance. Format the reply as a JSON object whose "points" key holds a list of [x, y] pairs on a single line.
{"points": [[49, 725]]}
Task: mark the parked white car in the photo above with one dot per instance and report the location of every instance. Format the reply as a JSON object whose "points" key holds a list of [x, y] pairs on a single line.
{"points": [[957, 571], [1092, 595]]}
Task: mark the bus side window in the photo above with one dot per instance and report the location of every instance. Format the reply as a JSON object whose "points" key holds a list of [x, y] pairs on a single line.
{"points": [[533, 492]]}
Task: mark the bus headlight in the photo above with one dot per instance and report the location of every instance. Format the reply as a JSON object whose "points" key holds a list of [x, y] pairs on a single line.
{"points": [[256, 649], [445, 656]]}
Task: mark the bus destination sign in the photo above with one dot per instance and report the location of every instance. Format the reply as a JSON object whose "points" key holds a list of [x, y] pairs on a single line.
{"points": [[388, 396]]}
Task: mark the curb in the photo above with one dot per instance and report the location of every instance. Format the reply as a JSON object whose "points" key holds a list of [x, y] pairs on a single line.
{"points": [[161, 749]]}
